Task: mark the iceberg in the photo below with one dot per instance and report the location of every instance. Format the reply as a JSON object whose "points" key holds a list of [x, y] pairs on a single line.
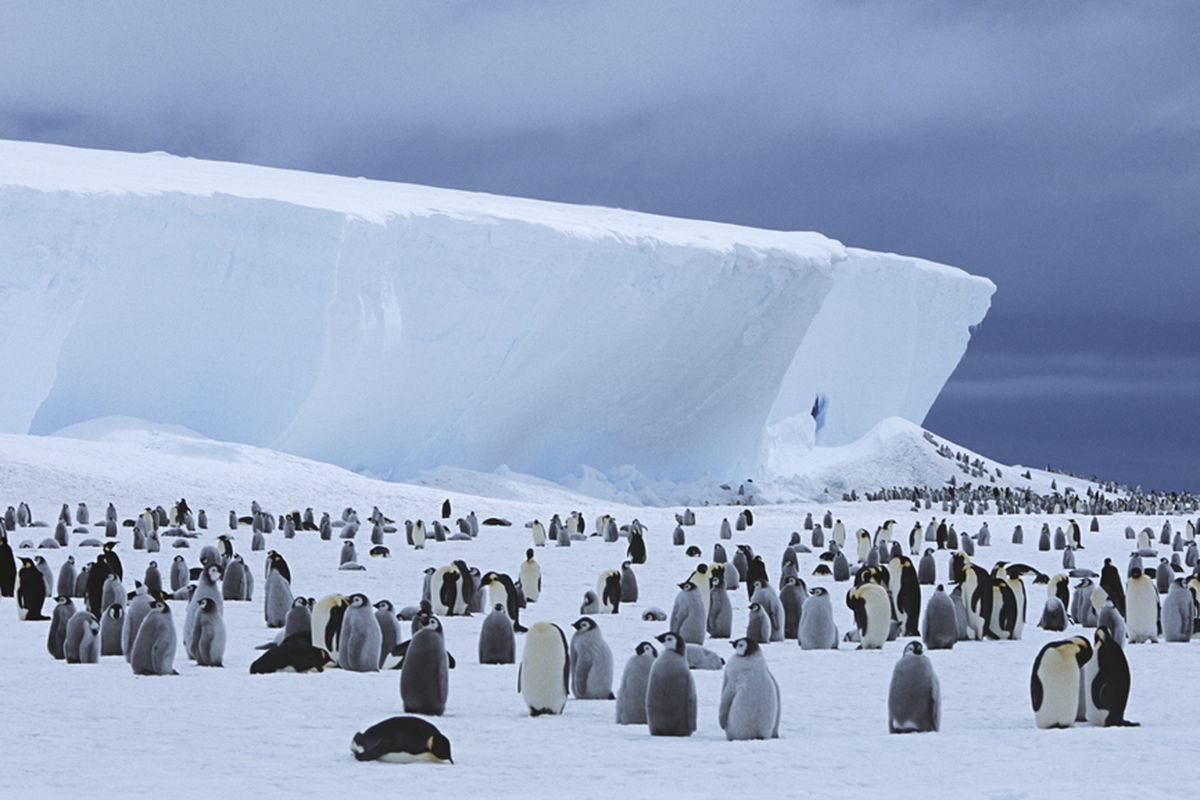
{"points": [[391, 328]]}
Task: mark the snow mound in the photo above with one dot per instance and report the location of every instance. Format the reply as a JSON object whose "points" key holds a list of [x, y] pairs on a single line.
{"points": [[391, 329]]}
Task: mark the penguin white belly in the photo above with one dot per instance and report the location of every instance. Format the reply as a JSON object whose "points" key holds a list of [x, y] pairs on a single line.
{"points": [[1094, 715], [1141, 604], [1060, 691], [529, 576], [879, 621], [409, 758]]}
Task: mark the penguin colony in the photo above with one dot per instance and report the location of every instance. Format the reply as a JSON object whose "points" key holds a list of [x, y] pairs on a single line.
{"points": [[923, 581]]}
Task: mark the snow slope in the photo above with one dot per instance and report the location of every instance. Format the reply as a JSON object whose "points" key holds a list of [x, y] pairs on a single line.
{"points": [[235, 734], [392, 328]]}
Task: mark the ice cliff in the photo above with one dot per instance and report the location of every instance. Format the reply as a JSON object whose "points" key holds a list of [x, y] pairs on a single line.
{"points": [[391, 328]]}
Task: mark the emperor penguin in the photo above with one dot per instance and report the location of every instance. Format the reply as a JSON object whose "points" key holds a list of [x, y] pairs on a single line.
{"points": [[1055, 681], [64, 609], [30, 591], [402, 740], [977, 594], [111, 625], [914, 697], [152, 579], [208, 634], [78, 626], [179, 573], [792, 597], [688, 618], [750, 702], [839, 532], [631, 694], [277, 600], [927, 568], [872, 614], [817, 629], [544, 677], [361, 639], [1142, 601], [636, 549], [1178, 613], [608, 589], [671, 691], [591, 662], [234, 584], [154, 647], [444, 590], [864, 544], [629, 584], [208, 586], [530, 576], [906, 595], [66, 577], [539, 534], [8, 566], [135, 613], [1111, 620], [699, 578], [767, 597], [841, 567], [502, 590], [940, 626], [758, 626], [720, 612], [425, 675], [114, 592], [1106, 683], [1054, 615], [1110, 582], [326, 618], [915, 537], [497, 643], [389, 629]]}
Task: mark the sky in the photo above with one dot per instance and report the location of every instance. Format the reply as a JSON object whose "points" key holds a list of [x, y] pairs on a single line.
{"points": [[1052, 147]]}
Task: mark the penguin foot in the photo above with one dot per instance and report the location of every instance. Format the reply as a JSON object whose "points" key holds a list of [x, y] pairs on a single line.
{"points": [[519, 628]]}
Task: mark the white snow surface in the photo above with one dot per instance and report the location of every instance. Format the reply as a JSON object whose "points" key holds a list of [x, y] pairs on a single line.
{"points": [[233, 734], [392, 328]]}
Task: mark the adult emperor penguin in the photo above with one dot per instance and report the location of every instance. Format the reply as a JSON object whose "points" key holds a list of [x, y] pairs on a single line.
{"points": [[914, 697], [629, 584], [402, 740], [501, 590], [977, 594], [940, 626], [792, 597], [817, 628], [1142, 601], [64, 609], [544, 676], [608, 589], [872, 614], [750, 703], [631, 694], [425, 675], [591, 662], [30, 591], [1106, 683], [1055, 680], [636, 549], [327, 617], [539, 533], [277, 600], [208, 586], [671, 691], [8, 566], [208, 634], [766, 597], [864, 544], [444, 589], [1110, 581], [154, 647], [688, 617], [530, 576], [906, 594], [497, 644], [360, 641], [720, 610]]}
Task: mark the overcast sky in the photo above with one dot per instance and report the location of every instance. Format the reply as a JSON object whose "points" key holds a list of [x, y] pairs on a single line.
{"points": [[1053, 147]]}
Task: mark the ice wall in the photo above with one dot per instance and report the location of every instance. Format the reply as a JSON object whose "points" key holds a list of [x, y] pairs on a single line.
{"points": [[391, 328]]}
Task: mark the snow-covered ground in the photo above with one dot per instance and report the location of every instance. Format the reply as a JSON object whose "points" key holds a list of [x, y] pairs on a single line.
{"points": [[104, 732]]}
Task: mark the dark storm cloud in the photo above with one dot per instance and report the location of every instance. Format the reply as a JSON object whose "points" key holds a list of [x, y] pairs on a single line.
{"points": [[1054, 147]]}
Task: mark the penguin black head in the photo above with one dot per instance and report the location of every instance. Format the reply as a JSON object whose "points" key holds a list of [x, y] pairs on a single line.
{"points": [[687, 586], [755, 607], [626, 564], [62, 599], [529, 554], [818, 592], [499, 607], [914, 648], [645, 647], [672, 641], [384, 605], [791, 580], [207, 604], [745, 647], [693, 552], [584, 624], [439, 746], [179, 558], [1135, 573], [359, 600]]}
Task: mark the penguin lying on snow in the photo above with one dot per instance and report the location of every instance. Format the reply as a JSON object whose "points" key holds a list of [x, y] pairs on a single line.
{"points": [[402, 740]]}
